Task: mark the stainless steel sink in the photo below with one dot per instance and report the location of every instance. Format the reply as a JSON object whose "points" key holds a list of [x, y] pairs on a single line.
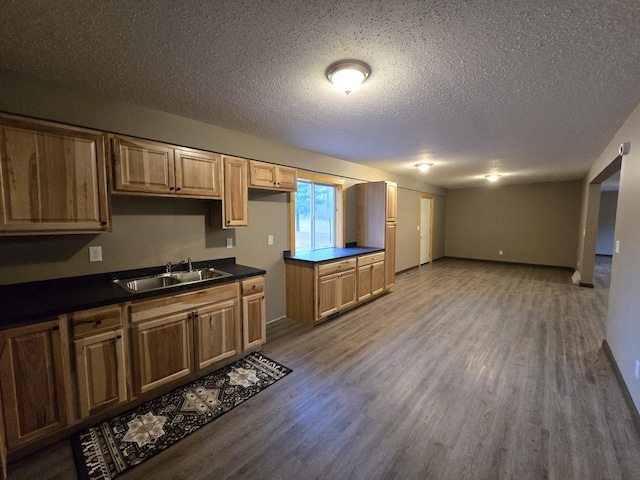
{"points": [[200, 274], [166, 280]]}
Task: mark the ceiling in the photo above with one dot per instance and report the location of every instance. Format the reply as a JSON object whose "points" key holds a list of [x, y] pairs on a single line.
{"points": [[533, 90]]}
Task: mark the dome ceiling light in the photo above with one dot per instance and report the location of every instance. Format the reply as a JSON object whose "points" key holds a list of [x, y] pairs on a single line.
{"points": [[348, 75], [493, 177], [424, 166]]}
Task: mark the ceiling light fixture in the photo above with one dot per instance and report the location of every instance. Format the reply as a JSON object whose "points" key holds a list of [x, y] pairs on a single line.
{"points": [[424, 166], [493, 177], [348, 75]]}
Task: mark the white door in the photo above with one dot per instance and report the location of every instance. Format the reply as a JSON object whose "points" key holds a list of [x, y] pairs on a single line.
{"points": [[425, 229]]}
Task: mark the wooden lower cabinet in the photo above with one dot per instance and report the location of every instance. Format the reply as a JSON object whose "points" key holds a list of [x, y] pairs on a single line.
{"points": [[390, 259], [254, 315], [61, 371], [33, 374], [101, 371], [317, 291], [217, 332], [370, 276], [161, 350]]}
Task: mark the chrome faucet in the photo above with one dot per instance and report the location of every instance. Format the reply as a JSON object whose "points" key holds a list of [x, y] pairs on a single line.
{"points": [[170, 266]]}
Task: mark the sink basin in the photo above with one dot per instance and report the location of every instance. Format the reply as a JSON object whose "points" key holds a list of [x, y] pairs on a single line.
{"points": [[200, 274], [165, 280]]}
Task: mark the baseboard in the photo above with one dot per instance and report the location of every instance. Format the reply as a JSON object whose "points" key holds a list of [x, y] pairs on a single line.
{"points": [[560, 267], [621, 382], [586, 285], [276, 319]]}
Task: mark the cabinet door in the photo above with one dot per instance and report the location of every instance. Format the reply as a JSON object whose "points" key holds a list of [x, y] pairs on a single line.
{"points": [[287, 179], [52, 179], [217, 333], [327, 295], [142, 166], [100, 364], [390, 255], [254, 320], [392, 196], [377, 278], [33, 386], [198, 173], [364, 282], [348, 292], [262, 174], [236, 194], [161, 351]]}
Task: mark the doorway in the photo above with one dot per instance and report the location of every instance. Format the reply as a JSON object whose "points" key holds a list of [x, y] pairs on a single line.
{"points": [[425, 228]]}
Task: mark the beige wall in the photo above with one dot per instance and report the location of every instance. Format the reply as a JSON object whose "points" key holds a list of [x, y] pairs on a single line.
{"points": [[623, 319], [151, 231], [532, 223], [606, 223]]}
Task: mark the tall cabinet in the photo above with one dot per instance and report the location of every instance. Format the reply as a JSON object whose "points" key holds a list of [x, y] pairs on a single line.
{"points": [[376, 227]]}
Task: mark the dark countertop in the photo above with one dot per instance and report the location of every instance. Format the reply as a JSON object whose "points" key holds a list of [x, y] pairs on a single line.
{"points": [[24, 303], [327, 254]]}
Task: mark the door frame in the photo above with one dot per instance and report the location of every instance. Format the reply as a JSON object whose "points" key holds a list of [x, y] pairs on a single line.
{"points": [[430, 198]]}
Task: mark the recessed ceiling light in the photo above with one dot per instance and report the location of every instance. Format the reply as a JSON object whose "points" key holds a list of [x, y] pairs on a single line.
{"points": [[424, 166], [493, 177], [348, 75]]}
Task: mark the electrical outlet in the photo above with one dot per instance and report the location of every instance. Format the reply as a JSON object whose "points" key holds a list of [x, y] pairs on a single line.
{"points": [[269, 239], [95, 254], [229, 242], [637, 369], [617, 246], [500, 252]]}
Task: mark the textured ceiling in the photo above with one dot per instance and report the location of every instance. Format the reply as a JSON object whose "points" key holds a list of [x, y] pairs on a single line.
{"points": [[533, 90]]}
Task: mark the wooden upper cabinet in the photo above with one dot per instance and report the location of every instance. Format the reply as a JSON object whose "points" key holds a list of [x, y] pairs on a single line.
{"points": [[150, 168], [198, 173], [142, 166], [32, 377], [272, 177], [392, 202], [53, 178], [234, 210]]}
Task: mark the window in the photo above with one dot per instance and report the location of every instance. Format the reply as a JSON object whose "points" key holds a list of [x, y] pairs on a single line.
{"points": [[317, 214]]}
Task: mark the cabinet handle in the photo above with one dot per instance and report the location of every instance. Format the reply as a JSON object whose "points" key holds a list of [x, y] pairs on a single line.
{"points": [[103, 223], [56, 328], [118, 337], [254, 287], [178, 189], [98, 322], [172, 188]]}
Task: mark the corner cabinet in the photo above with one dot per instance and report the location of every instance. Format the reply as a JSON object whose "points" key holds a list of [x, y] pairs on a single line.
{"points": [[53, 178], [267, 176], [34, 373], [143, 167]]}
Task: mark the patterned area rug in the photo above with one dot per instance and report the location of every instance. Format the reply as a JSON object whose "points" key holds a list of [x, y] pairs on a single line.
{"points": [[107, 450]]}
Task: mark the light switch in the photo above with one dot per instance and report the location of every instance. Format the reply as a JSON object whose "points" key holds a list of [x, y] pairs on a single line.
{"points": [[269, 239], [229, 242], [617, 246]]}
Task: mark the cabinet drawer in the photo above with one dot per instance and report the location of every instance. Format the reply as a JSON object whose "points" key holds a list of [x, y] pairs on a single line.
{"points": [[369, 259], [96, 320], [335, 267], [252, 285], [190, 301]]}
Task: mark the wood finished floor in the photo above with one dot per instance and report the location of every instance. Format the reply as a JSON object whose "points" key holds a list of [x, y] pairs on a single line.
{"points": [[467, 370]]}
